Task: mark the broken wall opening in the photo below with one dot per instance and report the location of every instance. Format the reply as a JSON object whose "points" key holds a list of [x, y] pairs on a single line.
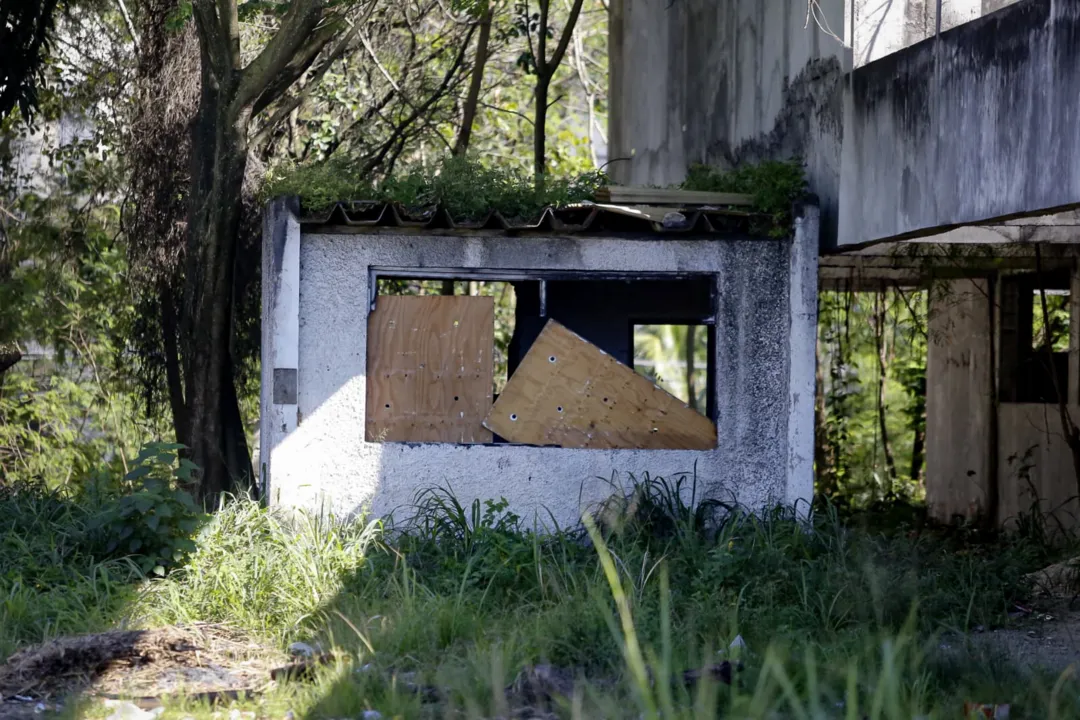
{"points": [[1033, 345], [870, 405], [445, 372]]}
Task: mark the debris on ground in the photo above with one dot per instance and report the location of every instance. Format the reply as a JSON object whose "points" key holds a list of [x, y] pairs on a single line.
{"points": [[993, 712], [130, 711], [540, 685], [720, 672], [1060, 580], [201, 659], [301, 671]]}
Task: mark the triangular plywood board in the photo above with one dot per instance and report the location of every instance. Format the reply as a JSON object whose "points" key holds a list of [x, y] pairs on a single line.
{"points": [[429, 368], [569, 393]]}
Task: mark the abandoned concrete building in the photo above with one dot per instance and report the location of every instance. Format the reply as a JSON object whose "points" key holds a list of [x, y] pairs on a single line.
{"points": [[941, 146], [942, 142], [370, 397]]}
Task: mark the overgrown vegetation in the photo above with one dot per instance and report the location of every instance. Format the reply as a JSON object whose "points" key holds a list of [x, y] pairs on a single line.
{"points": [[775, 186], [844, 615], [463, 186]]}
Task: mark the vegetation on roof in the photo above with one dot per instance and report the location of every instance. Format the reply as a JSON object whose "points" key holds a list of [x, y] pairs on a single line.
{"points": [[776, 185], [467, 189], [470, 190]]}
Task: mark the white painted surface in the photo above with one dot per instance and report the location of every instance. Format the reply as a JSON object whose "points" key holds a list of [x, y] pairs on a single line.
{"points": [[326, 463], [280, 328], [803, 342]]}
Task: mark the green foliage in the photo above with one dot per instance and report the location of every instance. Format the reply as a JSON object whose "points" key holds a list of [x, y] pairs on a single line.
{"points": [[464, 594], [154, 522], [851, 449], [775, 186], [54, 577], [262, 570], [465, 187]]}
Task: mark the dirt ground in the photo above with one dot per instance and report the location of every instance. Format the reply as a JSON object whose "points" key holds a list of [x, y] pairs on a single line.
{"points": [[209, 660], [143, 664]]}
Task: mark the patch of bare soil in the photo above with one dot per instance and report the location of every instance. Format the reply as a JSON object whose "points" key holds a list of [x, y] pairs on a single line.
{"points": [[1048, 640], [192, 660]]}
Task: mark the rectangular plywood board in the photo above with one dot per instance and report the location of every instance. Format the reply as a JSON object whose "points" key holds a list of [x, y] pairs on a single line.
{"points": [[430, 368], [569, 393]]}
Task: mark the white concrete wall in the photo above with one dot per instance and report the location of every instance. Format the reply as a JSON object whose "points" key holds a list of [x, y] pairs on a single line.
{"points": [[764, 378]]}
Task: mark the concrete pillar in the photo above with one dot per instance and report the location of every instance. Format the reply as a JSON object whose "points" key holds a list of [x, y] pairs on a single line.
{"points": [[803, 347], [280, 330], [959, 399]]}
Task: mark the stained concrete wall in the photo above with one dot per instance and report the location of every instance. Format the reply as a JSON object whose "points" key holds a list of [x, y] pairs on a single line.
{"points": [[959, 399], [700, 81], [764, 369], [975, 124], [984, 455]]}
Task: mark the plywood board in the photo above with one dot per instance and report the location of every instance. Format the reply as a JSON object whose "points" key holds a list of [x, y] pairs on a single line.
{"points": [[430, 368], [570, 393]]}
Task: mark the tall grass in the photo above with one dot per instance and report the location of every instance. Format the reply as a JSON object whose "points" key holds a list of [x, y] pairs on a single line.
{"points": [[839, 619], [54, 576], [264, 571]]}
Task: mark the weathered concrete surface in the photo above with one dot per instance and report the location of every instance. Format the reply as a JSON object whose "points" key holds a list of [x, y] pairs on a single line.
{"points": [[280, 328], [763, 391], [726, 82], [882, 27], [959, 400], [1035, 467], [975, 124]]}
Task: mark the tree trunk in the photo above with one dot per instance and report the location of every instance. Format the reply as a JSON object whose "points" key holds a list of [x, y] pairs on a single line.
{"points": [[880, 346], [824, 465], [691, 391], [918, 451], [173, 372], [219, 158], [539, 130], [476, 82]]}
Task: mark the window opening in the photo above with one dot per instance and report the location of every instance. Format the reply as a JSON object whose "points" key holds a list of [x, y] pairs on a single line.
{"points": [[675, 357], [1029, 370], [637, 321]]}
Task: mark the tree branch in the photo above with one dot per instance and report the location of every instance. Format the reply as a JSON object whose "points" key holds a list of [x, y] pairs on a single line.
{"points": [[130, 25], [295, 42], [568, 32], [228, 19], [438, 93], [295, 101]]}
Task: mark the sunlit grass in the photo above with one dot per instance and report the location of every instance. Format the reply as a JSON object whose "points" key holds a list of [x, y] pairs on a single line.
{"points": [[839, 620]]}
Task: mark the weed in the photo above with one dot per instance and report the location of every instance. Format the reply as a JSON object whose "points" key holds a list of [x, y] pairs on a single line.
{"points": [[774, 185], [839, 619], [464, 187]]}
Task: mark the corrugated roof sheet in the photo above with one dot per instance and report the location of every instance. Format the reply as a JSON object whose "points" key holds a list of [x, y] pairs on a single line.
{"points": [[585, 218]]}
